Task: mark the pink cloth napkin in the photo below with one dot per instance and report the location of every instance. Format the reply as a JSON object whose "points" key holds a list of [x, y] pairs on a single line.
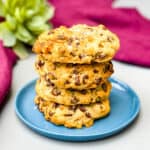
{"points": [[132, 28], [7, 60]]}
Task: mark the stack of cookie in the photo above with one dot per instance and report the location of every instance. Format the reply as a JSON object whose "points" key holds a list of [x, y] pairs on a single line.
{"points": [[74, 65]]}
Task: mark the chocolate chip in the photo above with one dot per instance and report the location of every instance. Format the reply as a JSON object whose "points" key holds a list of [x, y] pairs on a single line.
{"points": [[47, 49], [83, 91], [74, 100], [82, 56], [111, 67], [72, 54], [85, 77], [106, 68], [55, 92], [40, 99], [104, 87], [91, 99], [101, 34], [57, 64], [98, 81], [68, 65], [91, 29], [67, 82], [61, 37], [70, 40], [70, 76], [102, 107], [49, 83], [67, 115], [82, 108], [73, 107], [110, 39], [77, 43], [51, 113], [95, 71], [50, 32], [40, 63], [98, 99], [100, 55], [77, 80], [75, 71], [88, 114], [55, 105]]}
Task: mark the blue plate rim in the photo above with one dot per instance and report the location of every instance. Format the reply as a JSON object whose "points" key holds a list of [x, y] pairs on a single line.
{"points": [[92, 136]]}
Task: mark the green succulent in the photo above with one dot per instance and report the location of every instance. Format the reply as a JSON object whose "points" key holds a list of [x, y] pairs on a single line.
{"points": [[23, 21]]}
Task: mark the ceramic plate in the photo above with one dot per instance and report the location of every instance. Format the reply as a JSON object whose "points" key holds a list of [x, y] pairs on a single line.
{"points": [[125, 107]]}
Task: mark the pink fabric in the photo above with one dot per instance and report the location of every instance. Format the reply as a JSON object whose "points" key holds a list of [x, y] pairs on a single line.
{"points": [[132, 29], [7, 60]]}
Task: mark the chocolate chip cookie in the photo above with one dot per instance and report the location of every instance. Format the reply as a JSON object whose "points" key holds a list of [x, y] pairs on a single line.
{"points": [[49, 91], [72, 116], [74, 76], [81, 44]]}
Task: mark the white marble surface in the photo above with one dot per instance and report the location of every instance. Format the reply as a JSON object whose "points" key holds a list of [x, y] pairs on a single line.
{"points": [[14, 135]]}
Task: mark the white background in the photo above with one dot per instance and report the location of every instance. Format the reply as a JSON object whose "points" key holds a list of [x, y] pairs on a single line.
{"points": [[14, 135]]}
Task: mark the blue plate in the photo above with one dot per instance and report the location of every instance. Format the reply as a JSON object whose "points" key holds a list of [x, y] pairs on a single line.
{"points": [[125, 107]]}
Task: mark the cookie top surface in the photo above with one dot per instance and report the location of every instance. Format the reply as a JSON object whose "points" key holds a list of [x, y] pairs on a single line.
{"points": [[73, 116], [78, 44]]}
